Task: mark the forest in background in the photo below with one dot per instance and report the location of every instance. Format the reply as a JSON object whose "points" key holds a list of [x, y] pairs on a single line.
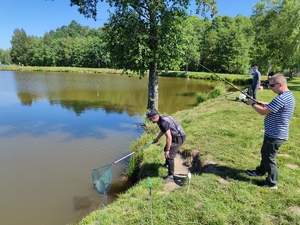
{"points": [[224, 44]]}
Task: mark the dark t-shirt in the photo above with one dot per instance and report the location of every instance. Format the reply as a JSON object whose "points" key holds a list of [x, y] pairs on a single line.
{"points": [[167, 122]]}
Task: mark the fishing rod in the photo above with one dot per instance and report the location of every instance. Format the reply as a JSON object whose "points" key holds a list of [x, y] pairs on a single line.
{"points": [[226, 81], [188, 57]]}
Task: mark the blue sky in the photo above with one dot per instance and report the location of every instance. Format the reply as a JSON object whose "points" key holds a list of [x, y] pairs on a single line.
{"points": [[37, 17]]}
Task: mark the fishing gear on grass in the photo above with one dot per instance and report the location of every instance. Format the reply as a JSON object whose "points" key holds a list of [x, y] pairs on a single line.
{"points": [[101, 176]]}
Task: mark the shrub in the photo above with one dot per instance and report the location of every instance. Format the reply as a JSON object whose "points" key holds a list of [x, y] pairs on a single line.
{"points": [[216, 92], [201, 97]]}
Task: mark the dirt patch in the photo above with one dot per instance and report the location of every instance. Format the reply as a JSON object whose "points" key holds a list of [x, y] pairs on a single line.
{"points": [[292, 166], [180, 174], [190, 162], [283, 155], [223, 181], [295, 210]]}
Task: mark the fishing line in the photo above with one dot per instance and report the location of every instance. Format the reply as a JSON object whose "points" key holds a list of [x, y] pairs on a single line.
{"points": [[204, 67], [185, 55]]}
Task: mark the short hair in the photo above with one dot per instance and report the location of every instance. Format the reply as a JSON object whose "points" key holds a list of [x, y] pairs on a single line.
{"points": [[279, 78]]}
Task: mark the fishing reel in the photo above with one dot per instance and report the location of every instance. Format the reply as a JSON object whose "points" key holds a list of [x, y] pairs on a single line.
{"points": [[243, 98]]}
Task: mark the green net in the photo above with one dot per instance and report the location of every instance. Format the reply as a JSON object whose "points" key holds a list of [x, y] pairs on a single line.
{"points": [[102, 177]]}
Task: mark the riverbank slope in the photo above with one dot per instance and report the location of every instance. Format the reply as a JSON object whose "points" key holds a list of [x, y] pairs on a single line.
{"points": [[228, 135]]}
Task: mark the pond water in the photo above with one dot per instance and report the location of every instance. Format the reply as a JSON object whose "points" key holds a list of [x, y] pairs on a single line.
{"points": [[55, 128]]}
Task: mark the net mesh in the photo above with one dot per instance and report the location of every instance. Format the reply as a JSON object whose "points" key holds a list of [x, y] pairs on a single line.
{"points": [[102, 177]]}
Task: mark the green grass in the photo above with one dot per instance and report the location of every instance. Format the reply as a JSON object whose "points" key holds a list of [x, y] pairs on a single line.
{"points": [[59, 69], [229, 133]]}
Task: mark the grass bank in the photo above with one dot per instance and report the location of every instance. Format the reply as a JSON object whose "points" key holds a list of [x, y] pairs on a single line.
{"points": [[232, 78], [58, 69], [228, 135]]}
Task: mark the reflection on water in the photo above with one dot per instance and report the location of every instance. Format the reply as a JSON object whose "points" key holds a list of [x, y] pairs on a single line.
{"points": [[55, 128]]}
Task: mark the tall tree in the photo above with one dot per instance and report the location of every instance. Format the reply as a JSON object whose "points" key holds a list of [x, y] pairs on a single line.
{"points": [[276, 23], [227, 44], [194, 29], [21, 45], [142, 32], [4, 56]]}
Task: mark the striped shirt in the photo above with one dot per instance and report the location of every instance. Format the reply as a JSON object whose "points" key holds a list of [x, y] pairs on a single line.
{"points": [[277, 123]]}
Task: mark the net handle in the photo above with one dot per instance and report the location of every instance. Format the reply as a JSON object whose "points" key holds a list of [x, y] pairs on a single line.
{"points": [[145, 146]]}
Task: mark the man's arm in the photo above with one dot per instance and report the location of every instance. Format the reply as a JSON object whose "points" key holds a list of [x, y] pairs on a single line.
{"points": [[168, 143], [158, 137], [259, 107]]}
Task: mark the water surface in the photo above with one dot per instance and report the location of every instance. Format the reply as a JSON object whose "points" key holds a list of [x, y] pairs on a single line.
{"points": [[56, 127]]}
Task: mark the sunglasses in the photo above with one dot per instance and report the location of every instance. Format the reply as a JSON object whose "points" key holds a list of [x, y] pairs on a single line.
{"points": [[272, 85]]}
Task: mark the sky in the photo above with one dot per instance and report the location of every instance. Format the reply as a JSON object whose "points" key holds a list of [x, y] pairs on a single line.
{"points": [[36, 17]]}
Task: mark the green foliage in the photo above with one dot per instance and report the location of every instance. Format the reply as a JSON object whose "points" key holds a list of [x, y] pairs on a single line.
{"points": [[72, 45], [201, 97], [277, 47], [215, 93], [5, 56], [21, 45], [226, 44]]}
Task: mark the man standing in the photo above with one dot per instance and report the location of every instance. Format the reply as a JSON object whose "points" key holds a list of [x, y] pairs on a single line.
{"points": [[175, 136], [278, 115], [252, 91]]}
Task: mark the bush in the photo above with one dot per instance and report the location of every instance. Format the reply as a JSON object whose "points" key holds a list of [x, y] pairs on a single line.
{"points": [[216, 92], [201, 97]]}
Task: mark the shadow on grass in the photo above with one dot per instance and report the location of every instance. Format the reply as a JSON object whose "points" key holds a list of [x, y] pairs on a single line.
{"points": [[152, 170], [227, 173], [149, 170]]}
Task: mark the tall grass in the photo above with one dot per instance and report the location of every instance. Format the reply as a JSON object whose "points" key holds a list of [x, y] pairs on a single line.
{"points": [[216, 92]]}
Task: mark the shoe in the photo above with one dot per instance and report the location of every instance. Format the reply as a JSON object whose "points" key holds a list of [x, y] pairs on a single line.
{"points": [[168, 179], [253, 173], [264, 184], [270, 187]]}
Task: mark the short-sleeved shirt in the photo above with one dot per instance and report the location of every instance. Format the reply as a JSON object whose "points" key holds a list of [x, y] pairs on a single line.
{"points": [[256, 77], [167, 122], [277, 123]]}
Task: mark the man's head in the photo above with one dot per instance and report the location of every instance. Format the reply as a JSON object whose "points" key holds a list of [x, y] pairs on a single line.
{"points": [[255, 68], [153, 115], [278, 83]]}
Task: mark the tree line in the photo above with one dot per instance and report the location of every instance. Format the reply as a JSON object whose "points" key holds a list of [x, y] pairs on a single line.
{"points": [[144, 36], [224, 44]]}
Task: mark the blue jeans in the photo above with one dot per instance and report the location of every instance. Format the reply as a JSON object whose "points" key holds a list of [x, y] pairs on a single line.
{"points": [[252, 91]]}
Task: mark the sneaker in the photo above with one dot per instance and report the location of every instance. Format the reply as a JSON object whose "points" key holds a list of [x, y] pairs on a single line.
{"points": [[168, 179], [253, 173], [270, 187], [265, 184]]}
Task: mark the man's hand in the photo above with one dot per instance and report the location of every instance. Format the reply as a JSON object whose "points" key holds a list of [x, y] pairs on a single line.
{"points": [[167, 154], [155, 140], [251, 102]]}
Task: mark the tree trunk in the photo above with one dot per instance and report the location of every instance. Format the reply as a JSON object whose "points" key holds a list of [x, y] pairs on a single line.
{"points": [[153, 87], [187, 65], [153, 78], [291, 75]]}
